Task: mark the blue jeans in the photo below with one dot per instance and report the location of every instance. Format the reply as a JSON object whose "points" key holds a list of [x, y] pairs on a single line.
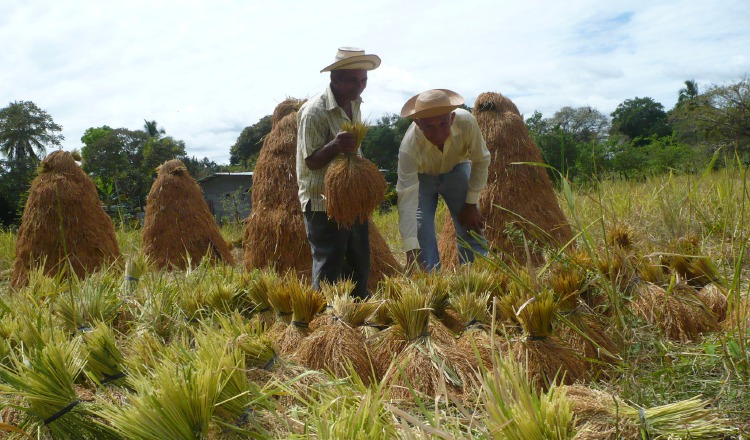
{"points": [[452, 186]]}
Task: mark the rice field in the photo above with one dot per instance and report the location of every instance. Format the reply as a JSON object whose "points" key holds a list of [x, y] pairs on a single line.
{"points": [[625, 335]]}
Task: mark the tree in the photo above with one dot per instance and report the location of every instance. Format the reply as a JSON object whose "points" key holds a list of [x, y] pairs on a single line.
{"points": [[726, 115], [114, 156], [246, 149], [26, 131], [382, 142], [640, 118], [690, 91], [156, 151], [199, 169], [584, 124], [152, 130]]}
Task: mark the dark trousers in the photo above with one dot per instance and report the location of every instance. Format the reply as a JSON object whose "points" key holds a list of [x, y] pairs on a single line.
{"points": [[338, 252]]}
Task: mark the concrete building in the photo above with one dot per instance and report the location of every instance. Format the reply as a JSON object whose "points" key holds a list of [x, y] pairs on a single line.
{"points": [[228, 195]]}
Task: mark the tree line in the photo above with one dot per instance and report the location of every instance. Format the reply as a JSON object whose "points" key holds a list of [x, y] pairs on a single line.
{"points": [[639, 138]]}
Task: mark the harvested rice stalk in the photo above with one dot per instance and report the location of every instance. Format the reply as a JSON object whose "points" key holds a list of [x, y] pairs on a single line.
{"points": [[339, 347], [653, 271], [44, 381], [517, 410], [306, 303], [620, 235], [104, 361], [354, 186], [134, 268], [547, 359], [603, 416], [331, 291], [280, 299], [678, 311], [715, 298], [476, 322], [258, 290], [424, 364]]}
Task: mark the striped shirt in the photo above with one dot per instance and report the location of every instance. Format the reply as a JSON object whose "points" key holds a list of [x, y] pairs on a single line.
{"points": [[318, 122], [417, 155]]}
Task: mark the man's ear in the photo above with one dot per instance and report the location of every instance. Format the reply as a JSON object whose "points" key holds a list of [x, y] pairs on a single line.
{"points": [[453, 116], [416, 121]]}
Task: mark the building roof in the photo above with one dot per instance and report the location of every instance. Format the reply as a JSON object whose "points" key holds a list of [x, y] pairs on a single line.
{"points": [[215, 175]]}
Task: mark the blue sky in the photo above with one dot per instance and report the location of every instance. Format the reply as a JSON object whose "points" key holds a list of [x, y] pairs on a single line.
{"points": [[204, 70]]}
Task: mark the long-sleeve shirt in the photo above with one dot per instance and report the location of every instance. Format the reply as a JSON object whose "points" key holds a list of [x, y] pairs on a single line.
{"points": [[318, 122], [417, 155]]}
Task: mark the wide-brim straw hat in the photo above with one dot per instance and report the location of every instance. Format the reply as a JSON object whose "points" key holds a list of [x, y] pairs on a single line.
{"points": [[353, 58], [434, 102]]}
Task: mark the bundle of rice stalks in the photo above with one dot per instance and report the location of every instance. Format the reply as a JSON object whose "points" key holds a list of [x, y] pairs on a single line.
{"points": [[546, 358], [163, 308], [350, 409], [50, 403], [280, 299], [275, 232], [331, 291], [177, 401], [340, 347], [476, 321], [585, 332], [437, 287], [425, 365], [64, 229], [516, 409], [678, 311], [142, 352], [617, 268], [714, 297], [687, 261], [258, 290], [134, 268], [354, 186], [104, 361], [179, 229], [306, 304], [620, 235], [653, 271], [602, 416], [87, 303], [529, 206]]}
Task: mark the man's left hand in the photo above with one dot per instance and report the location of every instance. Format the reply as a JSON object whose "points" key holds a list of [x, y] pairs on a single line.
{"points": [[471, 218]]}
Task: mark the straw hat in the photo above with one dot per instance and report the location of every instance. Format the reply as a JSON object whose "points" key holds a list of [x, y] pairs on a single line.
{"points": [[431, 103], [353, 58]]}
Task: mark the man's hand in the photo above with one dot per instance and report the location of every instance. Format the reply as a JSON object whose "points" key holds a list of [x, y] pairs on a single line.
{"points": [[346, 142], [471, 218]]}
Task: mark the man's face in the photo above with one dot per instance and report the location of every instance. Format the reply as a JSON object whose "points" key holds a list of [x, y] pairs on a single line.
{"points": [[348, 84], [436, 129]]}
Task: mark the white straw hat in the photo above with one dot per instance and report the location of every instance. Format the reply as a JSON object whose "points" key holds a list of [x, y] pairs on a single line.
{"points": [[431, 103], [353, 58]]}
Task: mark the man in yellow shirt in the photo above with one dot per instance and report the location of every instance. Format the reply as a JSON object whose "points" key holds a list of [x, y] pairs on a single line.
{"points": [[442, 154], [336, 252]]}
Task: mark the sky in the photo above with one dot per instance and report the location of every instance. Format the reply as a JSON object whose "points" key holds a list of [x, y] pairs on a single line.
{"points": [[204, 70]]}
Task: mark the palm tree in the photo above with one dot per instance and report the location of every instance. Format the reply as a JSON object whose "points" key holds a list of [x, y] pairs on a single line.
{"points": [[26, 131], [690, 91], [150, 127]]}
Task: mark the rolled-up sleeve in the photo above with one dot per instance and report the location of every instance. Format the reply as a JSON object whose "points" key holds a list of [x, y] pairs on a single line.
{"points": [[480, 162], [407, 189]]}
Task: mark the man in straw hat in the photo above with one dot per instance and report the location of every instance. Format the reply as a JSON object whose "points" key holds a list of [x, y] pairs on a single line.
{"points": [[442, 153], [336, 252]]}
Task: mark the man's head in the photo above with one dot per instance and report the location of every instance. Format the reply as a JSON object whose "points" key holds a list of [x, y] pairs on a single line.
{"points": [[432, 111], [348, 84], [437, 129], [349, 72]]}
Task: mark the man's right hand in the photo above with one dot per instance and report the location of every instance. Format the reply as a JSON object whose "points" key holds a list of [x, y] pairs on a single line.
{"points": [[346, 142]]}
